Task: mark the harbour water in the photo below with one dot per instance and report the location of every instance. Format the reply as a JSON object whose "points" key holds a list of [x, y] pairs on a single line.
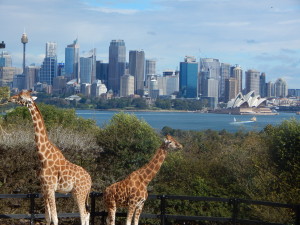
{"points": [[193, 121]]}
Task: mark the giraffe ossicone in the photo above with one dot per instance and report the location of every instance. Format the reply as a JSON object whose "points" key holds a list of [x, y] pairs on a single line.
{"points": [[132, 191], [56, 174]]}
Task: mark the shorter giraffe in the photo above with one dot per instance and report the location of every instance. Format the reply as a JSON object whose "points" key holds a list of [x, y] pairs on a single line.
{"points": [[132, 191], [57, 174]]}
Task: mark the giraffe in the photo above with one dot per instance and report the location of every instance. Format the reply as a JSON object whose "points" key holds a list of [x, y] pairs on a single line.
{"points": [[56, 172], [132, 191]]}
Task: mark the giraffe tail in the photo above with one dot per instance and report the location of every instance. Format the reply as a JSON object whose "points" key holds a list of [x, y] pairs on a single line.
{"points": [[87, 206]]}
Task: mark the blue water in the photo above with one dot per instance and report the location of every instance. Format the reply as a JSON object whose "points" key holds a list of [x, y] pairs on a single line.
{"points": [[192, 121]]}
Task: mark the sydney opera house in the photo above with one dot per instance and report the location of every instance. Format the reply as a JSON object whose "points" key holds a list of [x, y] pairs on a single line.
{"points": [[247, 104]]}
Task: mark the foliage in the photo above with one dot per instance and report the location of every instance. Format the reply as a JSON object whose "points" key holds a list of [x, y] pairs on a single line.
{"points": [[127, 144], [4, 94], [52, 116]]}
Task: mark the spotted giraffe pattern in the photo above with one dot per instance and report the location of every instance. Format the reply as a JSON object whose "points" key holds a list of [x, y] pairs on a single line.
{"points": [[56, 173], [132, 191]]}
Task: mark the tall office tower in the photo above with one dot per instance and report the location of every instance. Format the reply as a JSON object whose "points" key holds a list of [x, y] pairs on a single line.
{"points": [[150, 67], [102, 71], [209, 78], [127, 85], [5, 59], [168, 84], [252, 81], [188, 78], [72, 65], [49, 67], [60, 69], [88, 67], [230, 89], [237, 73], [280, 88], [117, 64], [24, 41], [137, 69], [97, 88], [270, 89], [224, 74], [262, 85], [31, 76], [6, 76]]}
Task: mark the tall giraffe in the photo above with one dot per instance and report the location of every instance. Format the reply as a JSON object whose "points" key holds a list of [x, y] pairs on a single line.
{"points": [[132, 191], [56, 173]]}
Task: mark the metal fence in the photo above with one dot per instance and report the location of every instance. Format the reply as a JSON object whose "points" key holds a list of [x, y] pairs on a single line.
{"points": [[234, 204]]}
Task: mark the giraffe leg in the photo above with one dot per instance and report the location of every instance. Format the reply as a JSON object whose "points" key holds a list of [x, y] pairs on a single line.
{"points": [[138, 212], [47, 211], [51, 207], [130, 213], [111, 217], [81, 199]]}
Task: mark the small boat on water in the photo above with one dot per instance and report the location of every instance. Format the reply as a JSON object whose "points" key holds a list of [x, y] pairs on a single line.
{"points": [[298, 113], [235, 121]]}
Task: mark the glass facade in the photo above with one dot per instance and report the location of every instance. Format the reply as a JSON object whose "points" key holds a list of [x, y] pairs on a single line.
{"points": [[188, 79]]}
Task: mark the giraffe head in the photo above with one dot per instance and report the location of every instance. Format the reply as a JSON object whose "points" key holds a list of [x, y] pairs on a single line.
{"points": [[23, 98], [171, 143]]}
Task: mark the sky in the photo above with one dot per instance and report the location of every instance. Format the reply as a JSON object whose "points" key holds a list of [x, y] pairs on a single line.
{"points": [[256, 34]]}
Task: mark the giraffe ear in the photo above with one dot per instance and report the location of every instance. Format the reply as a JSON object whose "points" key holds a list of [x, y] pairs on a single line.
{"points": [[34, 98]]}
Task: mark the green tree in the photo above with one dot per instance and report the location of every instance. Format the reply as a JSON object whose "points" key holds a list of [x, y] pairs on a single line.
{"points": [[127, 144]]}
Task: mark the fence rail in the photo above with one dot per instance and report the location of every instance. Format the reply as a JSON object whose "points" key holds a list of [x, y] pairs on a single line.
{"points": [[163, 217]]}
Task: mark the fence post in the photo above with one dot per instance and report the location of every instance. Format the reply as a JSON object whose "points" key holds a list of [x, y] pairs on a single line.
{"points": [[93, 206], [235, 209], [32, 207], [162, 209], [297, 211]]}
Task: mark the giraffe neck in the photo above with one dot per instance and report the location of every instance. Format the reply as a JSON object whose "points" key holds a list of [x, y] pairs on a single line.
{"points": [[43, 144], [149, 170]]}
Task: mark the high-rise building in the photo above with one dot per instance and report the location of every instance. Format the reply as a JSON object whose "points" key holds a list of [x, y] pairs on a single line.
{"points": [[127, 85], [97, 88], [6, 76], [224, 74], [280, 88], [230, 89], [209, 79], [262, 85], [150, 67], [31, 76], [102, 71], [270, 89], [137, 69], [117, 64], [49, 67], [252, 81], [237, 73], [188, 78], [168, 84], [72, 65], [5, 59], [88, 67]]}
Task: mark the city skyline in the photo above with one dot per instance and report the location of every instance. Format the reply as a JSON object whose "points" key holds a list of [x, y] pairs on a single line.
{"points": [[260, 35]]}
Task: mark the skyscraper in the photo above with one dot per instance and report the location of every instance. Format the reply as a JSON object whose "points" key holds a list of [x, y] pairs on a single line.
{"points": [[5, 59], [72, 65], [252, 81], [49, 67], [209, 77], [117, 63], [280, 88], [188, 78], [224, 74], [262, 85], [88, 67], [137, 69], [237, 73], [150, 67]]}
